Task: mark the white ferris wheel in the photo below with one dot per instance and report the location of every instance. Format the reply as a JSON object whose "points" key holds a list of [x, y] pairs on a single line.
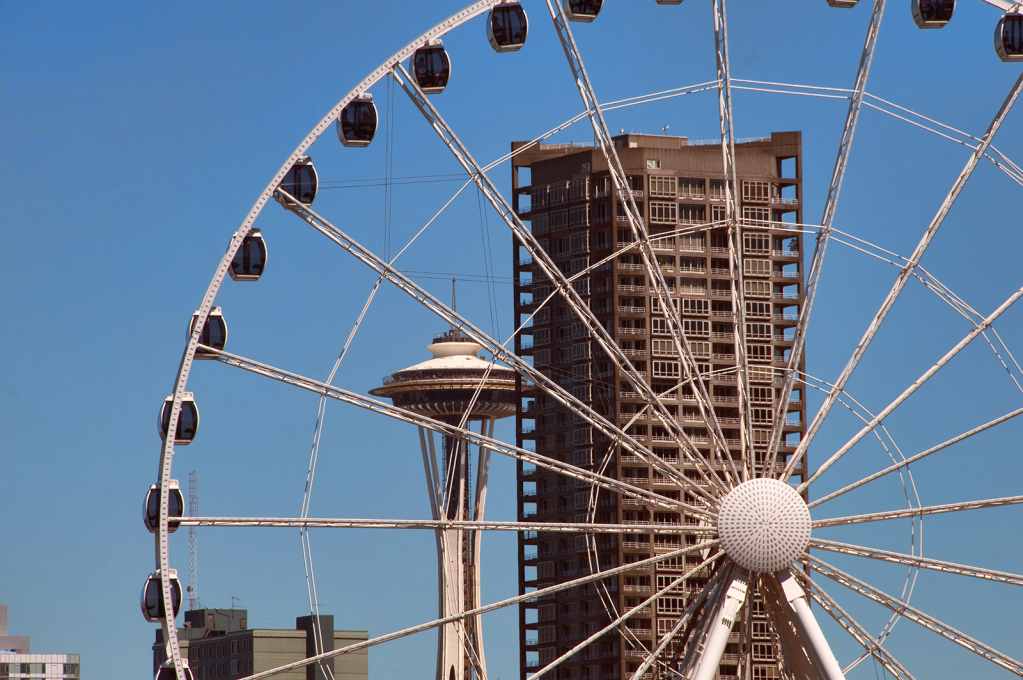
{"points": [[755, 528]]}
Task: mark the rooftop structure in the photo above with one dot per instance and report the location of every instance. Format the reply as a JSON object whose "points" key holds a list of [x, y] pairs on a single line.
{"points": [[219, 644], [18, 663]]}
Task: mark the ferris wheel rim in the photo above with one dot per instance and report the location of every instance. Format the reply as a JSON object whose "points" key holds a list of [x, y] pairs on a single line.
{"points": [[236, 241]]}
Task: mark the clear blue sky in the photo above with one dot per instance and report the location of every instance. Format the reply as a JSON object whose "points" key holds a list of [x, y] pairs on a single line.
{"points": [[134, 139]]}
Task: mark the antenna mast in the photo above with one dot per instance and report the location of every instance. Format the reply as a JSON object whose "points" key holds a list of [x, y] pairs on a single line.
{"points": [[193, 555]]}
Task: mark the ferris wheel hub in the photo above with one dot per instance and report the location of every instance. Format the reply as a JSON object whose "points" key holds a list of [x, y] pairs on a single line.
{"points": [[764, 525]]}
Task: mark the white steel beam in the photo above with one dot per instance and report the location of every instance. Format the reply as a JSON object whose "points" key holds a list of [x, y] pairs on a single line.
{"points": [[441, 524], [475, 612], [830, 206], [624, 193], [907, 271], [465, 434], [721, 618], [928, 374], [916, 512], [810, 633], [499, 351], [854, 629], [925, 620], [915, 561], [912, 459]]}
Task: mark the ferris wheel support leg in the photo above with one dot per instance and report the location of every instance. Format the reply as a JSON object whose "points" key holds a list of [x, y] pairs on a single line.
{"points": [[809, 630], [723, 618]]}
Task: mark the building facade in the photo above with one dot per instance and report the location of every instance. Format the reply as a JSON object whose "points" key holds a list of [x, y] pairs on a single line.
{"points": [[571, 208], [18, 663], [219, 644]]}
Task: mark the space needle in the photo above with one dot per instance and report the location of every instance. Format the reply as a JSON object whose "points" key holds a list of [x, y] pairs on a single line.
{"points": [[457, 387]]}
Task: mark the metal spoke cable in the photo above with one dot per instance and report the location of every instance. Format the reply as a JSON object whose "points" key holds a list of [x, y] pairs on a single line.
{"points": [[918, 253], [365, 644], [827, 220], [909, 390], [917, 616], [917, 512], [855, 630]]}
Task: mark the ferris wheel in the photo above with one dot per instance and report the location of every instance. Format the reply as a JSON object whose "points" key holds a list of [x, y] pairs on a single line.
{"points": [[759, 524]]}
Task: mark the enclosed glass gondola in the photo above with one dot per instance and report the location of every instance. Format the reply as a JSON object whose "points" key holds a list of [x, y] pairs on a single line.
{"points": [[507, 27], [249, 261], [431, 67], [214, 332], [582, 10], [1009, 37], [669, 2], [188, 420], [933, 13], [152, 597], [358, 122], [842, 3], [175, 507], [166, 672], [300, 182]]}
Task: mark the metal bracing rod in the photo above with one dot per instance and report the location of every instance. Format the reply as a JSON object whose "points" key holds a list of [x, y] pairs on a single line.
{"points": [[913, 614], [917, 512], [855, 630], [907, 271], [442, 524], [912, 459], [735, 234], [499, 351], [621, 618], [915, 561], [909, 390], [682, 620], [551, 271], [632, 213], [476, 612], [348, 397], [830, 206]]}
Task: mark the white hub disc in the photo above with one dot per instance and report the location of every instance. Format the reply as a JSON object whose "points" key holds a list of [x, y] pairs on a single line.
{"points": [[764, 525]]}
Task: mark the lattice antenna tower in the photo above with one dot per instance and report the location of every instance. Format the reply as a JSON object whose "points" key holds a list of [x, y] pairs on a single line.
{"points": [[193, 553]]}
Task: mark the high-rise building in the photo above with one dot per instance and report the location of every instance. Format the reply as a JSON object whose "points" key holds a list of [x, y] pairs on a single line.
{"points": [[570, 204], [18, 663], [219, 644]]}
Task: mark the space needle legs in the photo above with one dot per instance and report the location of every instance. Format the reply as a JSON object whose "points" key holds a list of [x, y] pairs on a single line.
{"points": [[459, 648]]}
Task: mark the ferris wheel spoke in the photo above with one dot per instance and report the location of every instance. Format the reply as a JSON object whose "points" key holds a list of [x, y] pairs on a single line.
{"points": [[629, 612], [915, 561], [672, 635], [913, 614], [641, 236], [830, 207], [909, 390], [917, 512], [501, 352], [854, 629], [444, 524], [472, 613], [912, 459], [914, 259], [463, 434], [551, 271]]}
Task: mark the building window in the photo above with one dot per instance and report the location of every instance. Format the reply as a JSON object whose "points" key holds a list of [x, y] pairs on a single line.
{"points": [[691, 306], [756, 243], [603, 187], [698, 327], [663, 186], [663, 213], [757, 288], [666, 369], [758, 310], [579, 216], [539, 223], [578, 189], [754, 267], [754, 191], [558, 219], [652, 164], [559, 193], [756, 217], [693, 242], [691, 214], [758, 331]]}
